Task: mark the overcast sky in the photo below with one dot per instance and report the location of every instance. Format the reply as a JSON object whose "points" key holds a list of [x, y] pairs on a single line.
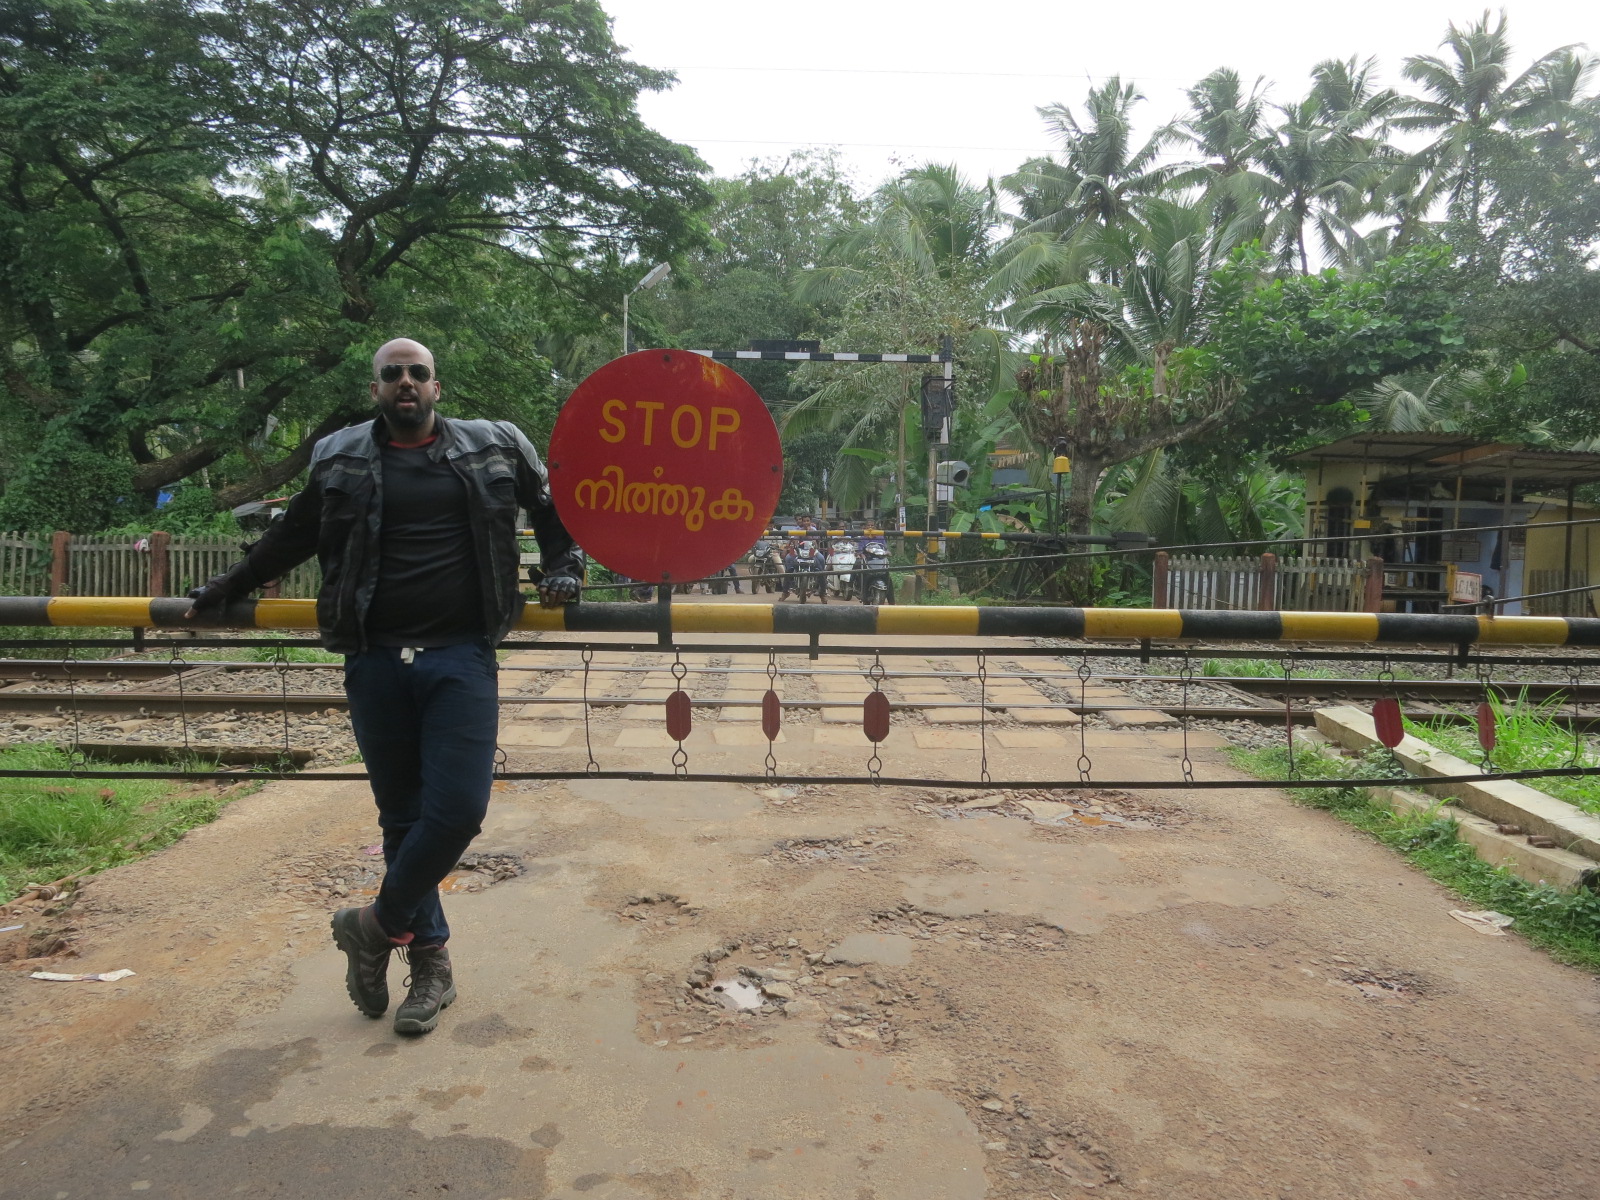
{"points": [[893, 83]]}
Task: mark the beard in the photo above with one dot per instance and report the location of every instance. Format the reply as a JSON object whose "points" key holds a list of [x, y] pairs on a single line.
{"points": [[406, 420]]}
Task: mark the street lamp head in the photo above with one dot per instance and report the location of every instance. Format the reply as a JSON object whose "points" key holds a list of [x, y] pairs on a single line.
{"points": [[655, 275]]}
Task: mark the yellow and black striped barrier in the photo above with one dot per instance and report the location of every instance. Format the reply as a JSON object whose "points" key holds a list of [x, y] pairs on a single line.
{"points": [[1127, 540], [863, 620]]}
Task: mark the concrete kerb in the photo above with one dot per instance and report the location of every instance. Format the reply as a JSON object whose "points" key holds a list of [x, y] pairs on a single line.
{"points": [[1558, 868], [1500, 802]]}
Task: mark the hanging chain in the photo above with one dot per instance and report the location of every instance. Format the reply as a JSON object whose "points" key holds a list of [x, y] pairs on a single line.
{"points": [[1288, 712], [280, 661], [876, 674], [1085, 767], [591, 767], [770, 767], [179, 667], [1485, 673], [983, 717], [680, 756], [76, 759], [1185, 675], [1574, 689]]}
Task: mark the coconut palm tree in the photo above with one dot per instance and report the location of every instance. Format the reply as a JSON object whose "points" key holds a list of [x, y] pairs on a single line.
{"points": [[907, 276], [1470, 107], [1227, 124], [1101, 176], [1151, 281]]}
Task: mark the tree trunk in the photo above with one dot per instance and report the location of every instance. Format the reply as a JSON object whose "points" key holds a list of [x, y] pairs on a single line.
{"points": [[1077, 574], [287, 467], [900, 459]]}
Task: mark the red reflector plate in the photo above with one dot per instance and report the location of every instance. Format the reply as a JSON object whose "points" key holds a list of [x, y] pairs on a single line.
{"points": [[679, 722], [875, 716], [1486, 728], [771, 715], [1386, 716]]}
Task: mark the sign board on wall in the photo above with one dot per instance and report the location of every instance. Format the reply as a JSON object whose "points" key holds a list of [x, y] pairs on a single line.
{"points": [[1466, 587], [665, 466]]}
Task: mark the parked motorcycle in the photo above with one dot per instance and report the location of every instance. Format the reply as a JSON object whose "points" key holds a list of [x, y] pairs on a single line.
{"points": [[842, 559], [876, 585], [810, 564], [766, 559]]}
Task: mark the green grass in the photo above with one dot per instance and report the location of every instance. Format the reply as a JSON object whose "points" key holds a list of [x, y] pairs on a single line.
{"points": [[1527, 738], [269, 654], [1259, 668], [1272, 668], [55, 640], [51, 828], [1565, 924]]}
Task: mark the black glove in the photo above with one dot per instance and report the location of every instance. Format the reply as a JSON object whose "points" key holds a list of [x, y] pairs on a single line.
{"points": [[207, 599], [556, 590]]}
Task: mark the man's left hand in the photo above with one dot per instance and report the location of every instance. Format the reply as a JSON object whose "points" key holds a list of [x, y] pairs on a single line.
{"points": [[558, 590]]}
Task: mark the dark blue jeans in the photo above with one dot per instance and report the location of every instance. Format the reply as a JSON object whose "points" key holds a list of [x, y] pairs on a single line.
{"points": [[427, 731]]}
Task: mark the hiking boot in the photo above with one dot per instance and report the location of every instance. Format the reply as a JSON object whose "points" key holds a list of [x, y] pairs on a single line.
{"points": [[432, 988], [366, 946]]}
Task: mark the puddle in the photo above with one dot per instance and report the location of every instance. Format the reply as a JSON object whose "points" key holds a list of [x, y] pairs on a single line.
{"points": [[736, 993]]}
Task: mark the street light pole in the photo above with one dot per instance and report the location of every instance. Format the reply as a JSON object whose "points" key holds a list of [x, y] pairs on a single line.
{"points": [[652, 277]]}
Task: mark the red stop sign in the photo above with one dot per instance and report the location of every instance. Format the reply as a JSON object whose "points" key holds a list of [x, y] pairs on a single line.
{"points": [[665, 466]]}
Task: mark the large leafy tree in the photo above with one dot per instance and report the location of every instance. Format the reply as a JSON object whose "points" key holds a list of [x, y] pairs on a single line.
{"points": [[769, 224], [204, 241], [1470, 106], [910, 275]]}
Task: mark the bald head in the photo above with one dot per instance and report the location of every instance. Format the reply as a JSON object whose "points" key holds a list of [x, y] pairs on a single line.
{"points": [[401, 350], [405, 387]]}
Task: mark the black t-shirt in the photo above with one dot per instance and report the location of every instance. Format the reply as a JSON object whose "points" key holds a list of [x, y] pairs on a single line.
{"points": [[428, 591]]}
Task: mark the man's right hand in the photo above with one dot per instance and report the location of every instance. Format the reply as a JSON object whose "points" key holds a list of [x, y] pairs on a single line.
{"points": [[207, 598]]}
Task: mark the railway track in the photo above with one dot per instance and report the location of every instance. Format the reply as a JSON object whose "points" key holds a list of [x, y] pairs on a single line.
{"points": [[91, 686]]}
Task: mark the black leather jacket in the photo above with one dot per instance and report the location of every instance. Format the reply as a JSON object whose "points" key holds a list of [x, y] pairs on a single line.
{"points": [[337, 518]]}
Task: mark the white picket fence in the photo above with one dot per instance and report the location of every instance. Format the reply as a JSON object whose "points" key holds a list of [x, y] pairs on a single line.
{"points": [[107, 565], [1300, 584], [1321, 585], [119, 565], [195, 560], [24, 564]]}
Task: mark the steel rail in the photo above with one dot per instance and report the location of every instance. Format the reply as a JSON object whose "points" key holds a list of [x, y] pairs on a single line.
{"points": [[90, 671], [189, 639], [1094, 624]]}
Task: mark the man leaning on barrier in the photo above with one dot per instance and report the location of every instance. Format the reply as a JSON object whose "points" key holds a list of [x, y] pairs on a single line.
{"points": [[413, 517]]}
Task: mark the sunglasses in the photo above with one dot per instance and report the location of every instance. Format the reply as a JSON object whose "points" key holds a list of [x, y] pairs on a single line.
{"points": [[391, 372]]}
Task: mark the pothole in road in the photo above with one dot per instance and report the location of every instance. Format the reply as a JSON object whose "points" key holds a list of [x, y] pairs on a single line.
{"points": [[988, 932], [659, 911], [1060, 808], [734, 994], [1030, 1149], [1381, 986], [865, 850], [340, 877], [742, 993], [477, 871]]}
